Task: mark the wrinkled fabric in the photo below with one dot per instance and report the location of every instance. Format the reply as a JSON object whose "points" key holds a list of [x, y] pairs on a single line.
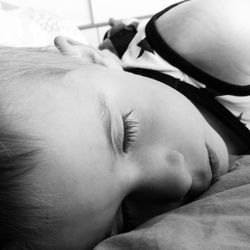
{"points": [[218, 219]]}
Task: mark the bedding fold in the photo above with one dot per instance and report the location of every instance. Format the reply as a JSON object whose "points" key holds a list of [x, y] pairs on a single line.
{"points": [[218, 219]]}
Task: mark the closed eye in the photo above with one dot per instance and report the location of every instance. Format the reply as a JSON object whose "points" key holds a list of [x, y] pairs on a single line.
{"points": [[130, 127]]}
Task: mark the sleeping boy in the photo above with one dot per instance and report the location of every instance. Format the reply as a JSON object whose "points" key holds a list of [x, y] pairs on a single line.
{"points": [[79, 136]]}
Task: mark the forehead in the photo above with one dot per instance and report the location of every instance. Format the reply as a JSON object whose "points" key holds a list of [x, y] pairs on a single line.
{"points": [[76, 165], [55, 110], [81, 162]]}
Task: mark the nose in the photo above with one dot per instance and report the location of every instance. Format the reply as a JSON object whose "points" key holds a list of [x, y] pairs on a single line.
{"points": [[166, 176], [178, 179]]}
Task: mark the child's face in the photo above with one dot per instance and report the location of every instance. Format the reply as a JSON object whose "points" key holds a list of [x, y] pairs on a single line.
{"points": [[93, 165]]}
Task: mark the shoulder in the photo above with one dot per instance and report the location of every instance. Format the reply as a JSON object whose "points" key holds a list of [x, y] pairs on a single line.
{"points": [[213, 35]]}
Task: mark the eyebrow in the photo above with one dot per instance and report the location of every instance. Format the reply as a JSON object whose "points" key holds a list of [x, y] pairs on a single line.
{"points": [[106, 117]]}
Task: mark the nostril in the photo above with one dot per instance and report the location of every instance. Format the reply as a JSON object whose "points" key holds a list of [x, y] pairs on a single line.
{"points": [[175, 159]]}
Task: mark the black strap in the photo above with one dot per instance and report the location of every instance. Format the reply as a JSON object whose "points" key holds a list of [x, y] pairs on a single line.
{"points": [[201, 97]]}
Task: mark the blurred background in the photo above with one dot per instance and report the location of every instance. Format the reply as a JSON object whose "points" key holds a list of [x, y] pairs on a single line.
{"points": [[91, 16]]}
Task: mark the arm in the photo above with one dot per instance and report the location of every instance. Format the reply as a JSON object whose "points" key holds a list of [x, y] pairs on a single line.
{"points": [[213, 35]]}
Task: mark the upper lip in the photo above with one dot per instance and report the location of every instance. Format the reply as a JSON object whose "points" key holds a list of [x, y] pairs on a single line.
{"points": [[214, 163]]}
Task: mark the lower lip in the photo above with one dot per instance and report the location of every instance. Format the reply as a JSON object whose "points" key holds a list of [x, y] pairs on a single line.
{"points": [[214, 163]]}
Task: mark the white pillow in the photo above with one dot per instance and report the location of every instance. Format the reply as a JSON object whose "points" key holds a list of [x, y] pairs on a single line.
{"points": [[29, 27]]}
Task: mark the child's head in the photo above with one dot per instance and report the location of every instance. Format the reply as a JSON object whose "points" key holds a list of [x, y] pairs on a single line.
{"points": [[77, 138]]}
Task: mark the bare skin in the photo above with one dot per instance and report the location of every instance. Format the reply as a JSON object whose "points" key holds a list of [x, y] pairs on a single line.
{"points": [[167, 160]]}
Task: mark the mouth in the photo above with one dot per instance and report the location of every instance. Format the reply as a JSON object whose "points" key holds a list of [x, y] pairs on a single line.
{"points": [[214, 164]]}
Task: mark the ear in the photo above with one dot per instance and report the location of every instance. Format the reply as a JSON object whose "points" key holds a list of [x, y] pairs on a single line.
{"points": [[86, 53], [73, 48]]}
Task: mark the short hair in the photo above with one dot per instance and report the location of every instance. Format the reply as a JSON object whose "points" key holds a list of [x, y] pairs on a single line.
{"points": [[18, 62], [23, 224]]}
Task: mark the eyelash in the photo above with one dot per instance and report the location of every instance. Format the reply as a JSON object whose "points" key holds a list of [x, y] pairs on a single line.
{"points": [[130, 130]]}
